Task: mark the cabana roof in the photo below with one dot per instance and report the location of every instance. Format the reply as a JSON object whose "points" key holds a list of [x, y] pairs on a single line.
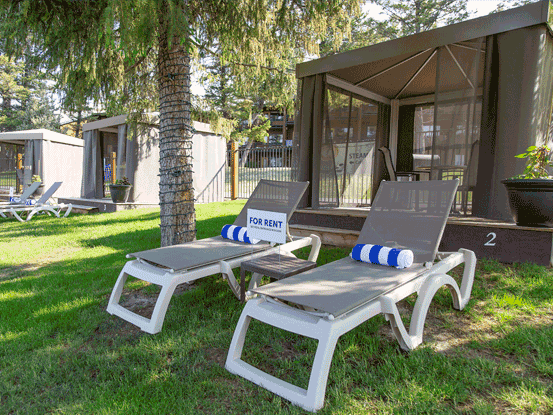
{"points": [[111, 124], [406, 67], [19, 137]]}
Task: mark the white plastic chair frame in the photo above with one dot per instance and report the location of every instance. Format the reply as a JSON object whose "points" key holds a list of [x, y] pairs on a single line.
{"points": [[327, 329], [33, 210], [170, 280]]}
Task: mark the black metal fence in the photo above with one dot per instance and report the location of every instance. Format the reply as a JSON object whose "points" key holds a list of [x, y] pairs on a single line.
{"points": [[272, 163], [8, 165], [275, 163]]}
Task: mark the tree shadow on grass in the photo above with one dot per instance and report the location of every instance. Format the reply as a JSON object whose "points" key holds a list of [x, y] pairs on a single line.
{"points": [[48, 226], [55, 285], [67, 348]]}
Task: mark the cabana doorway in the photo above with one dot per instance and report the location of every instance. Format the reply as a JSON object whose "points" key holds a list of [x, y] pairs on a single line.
{"points": [[108, 144], [11, 165], [348, 149]]}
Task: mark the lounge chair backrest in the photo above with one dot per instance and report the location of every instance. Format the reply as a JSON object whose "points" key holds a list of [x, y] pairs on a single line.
{"points": [[48, 193], [30, 190], [275, 196], [410, 215]]}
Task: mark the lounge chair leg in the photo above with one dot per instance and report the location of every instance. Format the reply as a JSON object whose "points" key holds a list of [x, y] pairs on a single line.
{"points": [[426, 294], [327, 333], [160, 309], [152, 325], [409, 341], [460, 296], [255, 281], [118, 289], [226, 270], [319, 374], [19, 218], [237, 344], [69, 207], [390, 311], [46, 209]]}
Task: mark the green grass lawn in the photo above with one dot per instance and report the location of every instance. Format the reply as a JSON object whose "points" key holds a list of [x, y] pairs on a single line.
{"points": [[61, 352]]}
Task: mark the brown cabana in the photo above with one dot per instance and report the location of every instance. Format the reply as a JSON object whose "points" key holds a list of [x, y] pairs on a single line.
{"points": [[455, 102]]}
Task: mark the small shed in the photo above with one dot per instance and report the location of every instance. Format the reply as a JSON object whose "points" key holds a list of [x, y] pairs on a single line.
{"points": [[53, 156], [457, 102], [114, 149]]}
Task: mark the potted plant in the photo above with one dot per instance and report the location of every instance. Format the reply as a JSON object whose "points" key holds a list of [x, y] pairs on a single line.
{"points": [[40, 189], [531, 193], [120, 190]]}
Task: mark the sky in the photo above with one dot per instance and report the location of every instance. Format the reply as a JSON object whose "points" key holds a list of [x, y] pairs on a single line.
{"points": [[478, 7]]}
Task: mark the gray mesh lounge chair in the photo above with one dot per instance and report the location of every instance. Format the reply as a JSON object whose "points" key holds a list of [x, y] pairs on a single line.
{"points": [[343, 294], [174, 265], [43, 205], [21, 200]]}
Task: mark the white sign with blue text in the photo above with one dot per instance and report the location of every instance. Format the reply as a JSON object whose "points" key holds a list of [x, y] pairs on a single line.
{"points": [[267, 226]]}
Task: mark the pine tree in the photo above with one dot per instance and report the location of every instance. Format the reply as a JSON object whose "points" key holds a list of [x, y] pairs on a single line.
{"points": [[26, 96], [415, 16], [103, 47]]}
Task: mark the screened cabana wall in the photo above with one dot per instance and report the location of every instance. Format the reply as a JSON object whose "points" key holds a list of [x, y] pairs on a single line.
{"points": [[114, 150], [53, 156], [455, 102]]}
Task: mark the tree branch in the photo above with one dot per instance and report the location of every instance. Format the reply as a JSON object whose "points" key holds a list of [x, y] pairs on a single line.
{"points": [[249, 65], [142, 59]]}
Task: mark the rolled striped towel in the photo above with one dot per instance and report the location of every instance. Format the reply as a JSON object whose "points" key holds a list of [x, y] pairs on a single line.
{"points": [[237, 233], [378, 254]]}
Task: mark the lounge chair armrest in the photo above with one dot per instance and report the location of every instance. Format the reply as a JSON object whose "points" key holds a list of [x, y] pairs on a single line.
{"points": [[316, 243], [311, 240]]}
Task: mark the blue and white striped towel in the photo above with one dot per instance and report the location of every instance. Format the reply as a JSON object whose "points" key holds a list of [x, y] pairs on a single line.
{"points": [[28, 202], [378, 254], [237, 233]]}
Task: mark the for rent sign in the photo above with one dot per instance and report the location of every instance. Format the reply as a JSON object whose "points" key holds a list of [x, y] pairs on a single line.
{"points": [[267, 226]]}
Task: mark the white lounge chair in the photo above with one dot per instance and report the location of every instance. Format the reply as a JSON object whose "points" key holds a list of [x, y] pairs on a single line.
{"points": [[343, 294], [24, 198], [43, 205], [174, 265]]}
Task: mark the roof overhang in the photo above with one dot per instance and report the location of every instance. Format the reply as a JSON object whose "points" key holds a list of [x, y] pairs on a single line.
{"points": [[111, 124], [517, 18], [20, 137]]}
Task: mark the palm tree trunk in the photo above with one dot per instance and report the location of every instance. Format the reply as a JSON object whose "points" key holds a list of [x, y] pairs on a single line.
{"points": [[176, 194]]}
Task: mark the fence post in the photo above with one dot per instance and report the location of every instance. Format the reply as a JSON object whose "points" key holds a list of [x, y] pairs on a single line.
{"points": [[233, 170], [113, 167], [19, 184]]}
